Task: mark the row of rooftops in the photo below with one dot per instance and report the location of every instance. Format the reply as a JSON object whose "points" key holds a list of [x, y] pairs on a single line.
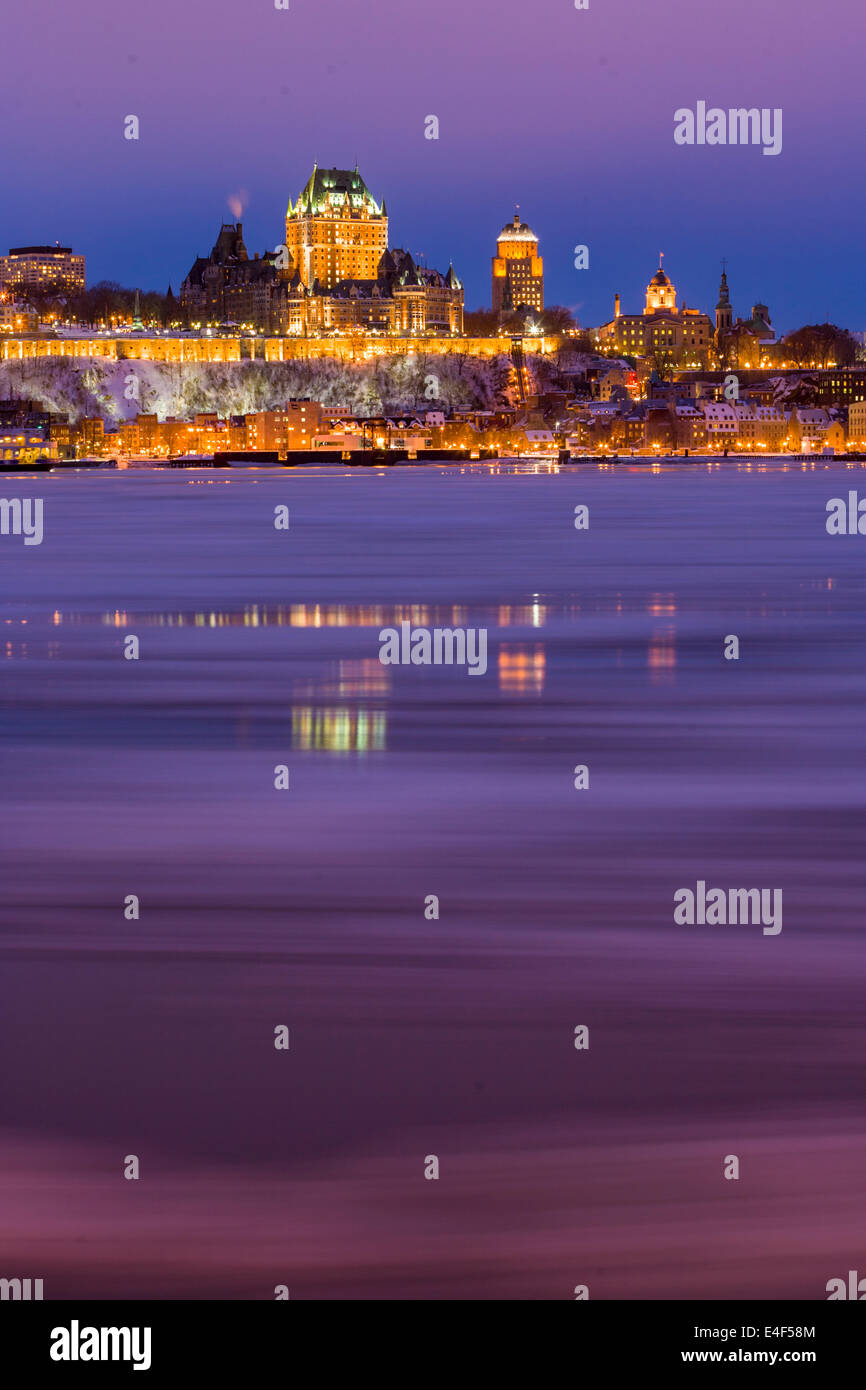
{"points": [[397, 270]]}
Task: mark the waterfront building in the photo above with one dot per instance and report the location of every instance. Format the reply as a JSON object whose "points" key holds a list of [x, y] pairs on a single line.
{"points": [[722, 424], [813, 429], [690, 425], [20, 445], [857, 424], [760, 426]]}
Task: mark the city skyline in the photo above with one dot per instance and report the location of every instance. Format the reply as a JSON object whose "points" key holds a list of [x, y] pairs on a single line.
{"points": [[617, 300], [240, 129]]}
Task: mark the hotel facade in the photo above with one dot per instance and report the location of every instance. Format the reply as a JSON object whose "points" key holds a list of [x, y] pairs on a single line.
{"points": [[49, 268], [334, 274]]}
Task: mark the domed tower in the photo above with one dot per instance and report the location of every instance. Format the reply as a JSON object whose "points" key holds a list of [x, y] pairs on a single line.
{"points": [[518, 270], [660, 293]]}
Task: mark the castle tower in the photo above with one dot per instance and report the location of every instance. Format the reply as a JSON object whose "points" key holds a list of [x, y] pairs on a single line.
{"points": [[336, 230]]}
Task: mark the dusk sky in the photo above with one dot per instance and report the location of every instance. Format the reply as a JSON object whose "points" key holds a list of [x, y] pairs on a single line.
{"points": [[568, 113]]}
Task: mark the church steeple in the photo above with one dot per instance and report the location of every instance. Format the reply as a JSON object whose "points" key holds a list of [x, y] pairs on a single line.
{"points": [[724, 312]]}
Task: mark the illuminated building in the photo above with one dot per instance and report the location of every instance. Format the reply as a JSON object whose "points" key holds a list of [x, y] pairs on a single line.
{"points": [[281, 431], [27, 432], [22, 446], [811, 429], [518, 270], [16, 317], [228, 287], [336, 231], [53, 269], [857, 424], [404, 298], [760, 426], [335, 274], [664, 333]]}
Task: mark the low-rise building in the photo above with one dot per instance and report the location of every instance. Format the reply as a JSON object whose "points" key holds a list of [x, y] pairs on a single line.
{"points": [[20, 445], [807, 430], [857, 425], [722, 424], [17, 316], [760, 426]]}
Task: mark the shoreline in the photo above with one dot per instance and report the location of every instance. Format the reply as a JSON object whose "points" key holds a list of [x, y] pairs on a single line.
{"points": [[439, 459]]}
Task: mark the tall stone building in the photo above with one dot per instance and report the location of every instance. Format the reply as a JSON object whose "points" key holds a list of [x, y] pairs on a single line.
{"points": [[336, 231], [229, 287], [518, 270], [335, 273]]}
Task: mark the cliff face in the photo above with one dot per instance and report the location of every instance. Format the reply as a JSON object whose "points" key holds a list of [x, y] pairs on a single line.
{"points": [[81, 387]]}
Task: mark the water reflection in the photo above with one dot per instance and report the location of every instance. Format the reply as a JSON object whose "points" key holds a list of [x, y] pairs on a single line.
{"points": [[660, 605], [338, 730], [533, 614], [521, 669], [411, 1035], [662, 656]]}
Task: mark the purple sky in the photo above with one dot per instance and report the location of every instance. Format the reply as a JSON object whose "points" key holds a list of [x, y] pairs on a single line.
{"points": [[569, 113]]}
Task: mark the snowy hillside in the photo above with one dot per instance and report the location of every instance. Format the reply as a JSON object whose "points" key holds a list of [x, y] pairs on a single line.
{"points": [[81, 387]]}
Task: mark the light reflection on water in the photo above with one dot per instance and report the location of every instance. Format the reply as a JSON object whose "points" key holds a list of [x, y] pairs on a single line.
{"points": [[521, 669], [453, 1035], [342, 730]]}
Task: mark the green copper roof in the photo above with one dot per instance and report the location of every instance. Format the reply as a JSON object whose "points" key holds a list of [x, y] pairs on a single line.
{"points": [[335, 189]]}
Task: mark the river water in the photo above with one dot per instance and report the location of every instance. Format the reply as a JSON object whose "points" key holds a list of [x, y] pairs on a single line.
{"points": [[413, 1036]]}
